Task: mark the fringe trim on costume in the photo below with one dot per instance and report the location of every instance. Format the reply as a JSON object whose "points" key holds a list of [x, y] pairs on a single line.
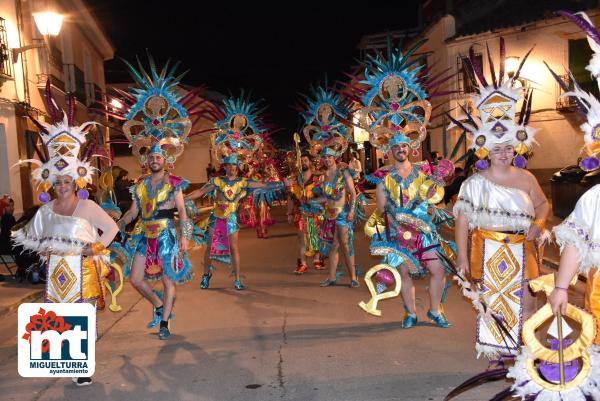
{"points": [[490, 352], [525, 387], [491, 218], [569, 232], [44, 245]]}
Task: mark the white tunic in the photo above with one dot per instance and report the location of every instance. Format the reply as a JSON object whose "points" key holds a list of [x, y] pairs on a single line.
{"points": [[490, 206], [49, 232], [582, 229]]}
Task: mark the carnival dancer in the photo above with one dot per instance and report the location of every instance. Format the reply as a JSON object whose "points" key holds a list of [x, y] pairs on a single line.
{"points": [[579, 234], [157, 126], [501, 210], [64, 231], [326, 131], [304, 214], [403, 229], [236, 141]]}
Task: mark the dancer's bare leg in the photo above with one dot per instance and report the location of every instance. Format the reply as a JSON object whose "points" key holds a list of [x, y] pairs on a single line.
{"points": [[408, 290], [436, 281], [342, 236], [207, 253], [334, 256], [137, 280], [168, 297], [235, 254]]}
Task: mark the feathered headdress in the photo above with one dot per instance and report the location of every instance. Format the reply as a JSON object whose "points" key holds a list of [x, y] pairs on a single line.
{"points": [[587, 104], [157, 121], [496, 105], [394, 91], [240, 131], [65, 150], [326, 115]]}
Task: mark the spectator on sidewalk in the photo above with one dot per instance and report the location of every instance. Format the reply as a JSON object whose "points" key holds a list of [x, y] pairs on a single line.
{"points": [[7, 221]]}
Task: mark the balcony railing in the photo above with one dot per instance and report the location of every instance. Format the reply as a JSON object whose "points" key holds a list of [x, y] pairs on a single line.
{"points": [[5, 55], [564, 103]]}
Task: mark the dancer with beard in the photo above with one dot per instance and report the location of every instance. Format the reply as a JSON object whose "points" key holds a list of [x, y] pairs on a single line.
{"points": [[157, 126]]}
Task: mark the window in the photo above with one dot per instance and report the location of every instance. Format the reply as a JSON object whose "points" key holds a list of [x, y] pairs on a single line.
{"points": [[579, 57], [466, 79]]}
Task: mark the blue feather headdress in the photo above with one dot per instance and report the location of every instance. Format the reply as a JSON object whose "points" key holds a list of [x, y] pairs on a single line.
{"points": [[240, 131], [326, 115]]}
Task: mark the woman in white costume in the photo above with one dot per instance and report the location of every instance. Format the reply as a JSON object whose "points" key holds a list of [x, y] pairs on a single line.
{"points": [[500, 212], [65, 231]]}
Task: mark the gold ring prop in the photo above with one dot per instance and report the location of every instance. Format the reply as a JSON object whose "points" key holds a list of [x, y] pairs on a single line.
{"points": [[371, 305]]}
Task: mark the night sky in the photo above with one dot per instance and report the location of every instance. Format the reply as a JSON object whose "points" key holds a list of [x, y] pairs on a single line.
{"points": [[275, 54]]}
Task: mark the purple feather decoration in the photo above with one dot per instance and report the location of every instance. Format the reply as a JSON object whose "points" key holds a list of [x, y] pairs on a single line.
{"points": [[504, 395], [584, 25], [481, 378], [50, 103], [37, 124], [71, 110], [491, 63], [528, 111], [458, 123], [502, 61], [518, 72], [477, 67]]}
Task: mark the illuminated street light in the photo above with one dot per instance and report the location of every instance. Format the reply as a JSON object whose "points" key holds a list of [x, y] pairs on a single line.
{"points": [[48, 23]]}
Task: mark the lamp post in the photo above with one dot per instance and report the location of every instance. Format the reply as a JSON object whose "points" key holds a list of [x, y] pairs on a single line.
{"points": [[49, 24]]}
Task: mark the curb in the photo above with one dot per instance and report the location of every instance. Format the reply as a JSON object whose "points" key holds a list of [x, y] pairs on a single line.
{"points": [[31, 297]]}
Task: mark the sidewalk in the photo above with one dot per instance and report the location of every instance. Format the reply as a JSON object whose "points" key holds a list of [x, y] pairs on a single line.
{"points": [[13, 294]]}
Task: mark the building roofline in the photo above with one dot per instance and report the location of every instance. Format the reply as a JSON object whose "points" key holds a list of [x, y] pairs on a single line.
{"points": [[93, 29]]}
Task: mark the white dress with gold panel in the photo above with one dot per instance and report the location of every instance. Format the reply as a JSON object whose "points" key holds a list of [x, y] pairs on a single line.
{"points": [[501, 259], [71, 277]]}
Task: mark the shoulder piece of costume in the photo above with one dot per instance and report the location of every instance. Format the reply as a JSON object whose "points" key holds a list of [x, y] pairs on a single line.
{"points": [[231, 190], [240, 131], [157, 120], [587, 104], [326, 116], [496, 103], [582, 229], [491, 206], [149, 200], [49, 232], [65, 148]]}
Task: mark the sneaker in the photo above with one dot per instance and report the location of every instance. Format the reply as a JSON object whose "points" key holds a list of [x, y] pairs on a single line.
{"points": [[82, 381], [318, 265], [409, 321], [439, 319], [301, 268], [205, 280], [354, 284], [328, 283], [238, 285], [156, 316], [164, 333]]}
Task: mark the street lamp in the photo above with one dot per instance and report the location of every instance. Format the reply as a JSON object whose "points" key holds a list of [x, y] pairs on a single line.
{"points": [[48, 23], [512, 63]]}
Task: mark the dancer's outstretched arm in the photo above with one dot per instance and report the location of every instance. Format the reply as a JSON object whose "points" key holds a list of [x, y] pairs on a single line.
{"points": [[199, 193]]}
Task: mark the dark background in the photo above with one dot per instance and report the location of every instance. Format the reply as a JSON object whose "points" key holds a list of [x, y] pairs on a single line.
{"points": [[268, 51]]}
